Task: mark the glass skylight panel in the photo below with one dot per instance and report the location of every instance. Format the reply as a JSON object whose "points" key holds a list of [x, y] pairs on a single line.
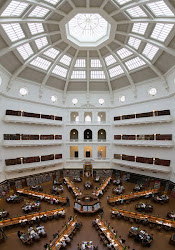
{"points": [[160, 9], [54, 2], [66, 60], [39, 12], [135, 63], [60, 71], [121, 2], [15, 8], [41, 63], [116, 71], [41, 42], [78, 74], [52, 53], [150, 51], [136, 12], [109, 60], [98, 74], [139, 28], [123, 53], [36, 28], [25, 51], [80, 63], [13, 31], [161, 31], [95, 63], [134, 42]]}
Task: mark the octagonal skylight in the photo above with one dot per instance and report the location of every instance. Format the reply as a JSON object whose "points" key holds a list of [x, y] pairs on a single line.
{"points": [[88, 29]]}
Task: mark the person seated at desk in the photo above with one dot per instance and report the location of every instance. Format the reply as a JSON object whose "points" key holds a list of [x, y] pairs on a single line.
{"points": [[40, 230], [97, 179], [171, 215], [57, 182], [4, 214], [77, 179], [138, 187], [117, 182]]}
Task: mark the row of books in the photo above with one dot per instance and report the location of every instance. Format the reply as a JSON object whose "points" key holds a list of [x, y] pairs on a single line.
{"points": [[158, 137], [24, 160], [31, 137], [147, 160], [142, 115]]}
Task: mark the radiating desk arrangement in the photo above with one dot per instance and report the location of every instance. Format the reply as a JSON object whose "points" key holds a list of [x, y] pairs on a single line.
{"points": [[87, 204], [65, 232], [76, 191], [109, 235], [42, 196], [133, 196], [22, 220], [102, 187], [146, 219]]}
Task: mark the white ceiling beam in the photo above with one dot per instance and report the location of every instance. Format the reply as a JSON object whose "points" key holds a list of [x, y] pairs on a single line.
{"points": [[88, 75], [27, 40], [26, 20], [87, 3], [54, 64], [132, 5], [156, 70], [28, 61], [70, 73], [45, 5], [104, 4], [148, 40], [105, 72], [124, 68], [71, 3], [149, 20]]}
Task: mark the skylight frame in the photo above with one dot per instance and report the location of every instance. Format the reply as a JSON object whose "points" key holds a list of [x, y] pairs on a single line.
{"points": [[66, 60], [139, 28], [36, 28], [13, 31], [115, 71], [97, 75], [39, 11], [53, 2], [110, 60], [136, 12], [137, 61], [161, 31], [124, 53], [15, 8], [60, 71], [25, 51], [41, 63], [134, 42], [160, 9], [41, 42], [150, 51], [122, 2], [78, 74], [80, 63], [51, 53], [95, 63]]}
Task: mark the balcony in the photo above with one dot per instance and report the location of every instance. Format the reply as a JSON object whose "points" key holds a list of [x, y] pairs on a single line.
{"points": [[31, 120], [73, 159], [85, 123], [73, 141], [29, 166], [142, 166], [144, 120], [144, 143], [31, 143]]}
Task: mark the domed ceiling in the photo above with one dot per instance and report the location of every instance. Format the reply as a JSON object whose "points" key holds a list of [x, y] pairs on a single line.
{"points": [[87, 45]]}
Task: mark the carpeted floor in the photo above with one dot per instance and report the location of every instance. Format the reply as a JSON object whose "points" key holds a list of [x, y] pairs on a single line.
{"points": [[87, 232]]}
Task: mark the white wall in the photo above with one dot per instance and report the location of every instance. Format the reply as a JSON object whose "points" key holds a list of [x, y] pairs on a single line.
{"points": [[164, 99]]}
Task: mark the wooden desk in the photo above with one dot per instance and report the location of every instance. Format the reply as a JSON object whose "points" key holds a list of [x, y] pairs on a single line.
{"points": [[109, 235], [42, 196], [166, 224], [133, 196], [74, 189], [15, 221], [67, 230], [102, 187]]}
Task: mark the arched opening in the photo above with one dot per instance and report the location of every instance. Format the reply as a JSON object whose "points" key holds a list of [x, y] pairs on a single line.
{"points": [[88, 117], [101, 117], [102, 135], [74, 135], [87, 134], [74, 117]]}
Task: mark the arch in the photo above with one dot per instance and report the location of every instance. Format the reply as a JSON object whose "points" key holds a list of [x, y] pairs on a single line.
{"points": [[102, 134], [88, 134], [88, 118], [74, 134]]}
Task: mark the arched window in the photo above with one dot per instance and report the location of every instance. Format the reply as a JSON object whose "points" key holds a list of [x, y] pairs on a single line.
{"points": [[102, 134], [98, 118], [87, 134], [73, 134], [88, 118]]}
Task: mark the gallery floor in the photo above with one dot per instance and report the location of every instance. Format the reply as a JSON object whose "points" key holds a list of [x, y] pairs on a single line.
{"points": [[87, 232]]}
